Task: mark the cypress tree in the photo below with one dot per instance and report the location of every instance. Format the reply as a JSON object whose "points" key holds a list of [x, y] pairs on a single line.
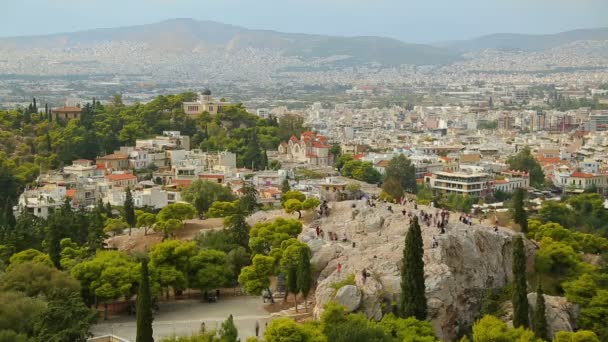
{"points": [[413, 299], [238, 228], [292, 283], [228, 332], [109, 213], [129, 209], [144, 306], [540, 320], [285, 186], [519, 212], [520, 289], [304, 274], [34, 106]]}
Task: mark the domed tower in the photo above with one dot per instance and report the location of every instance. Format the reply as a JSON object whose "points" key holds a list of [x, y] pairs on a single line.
{"points": [[206, 95]]}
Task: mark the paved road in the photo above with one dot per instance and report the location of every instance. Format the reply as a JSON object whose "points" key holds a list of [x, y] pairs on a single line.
{"points": [[184, 317]]}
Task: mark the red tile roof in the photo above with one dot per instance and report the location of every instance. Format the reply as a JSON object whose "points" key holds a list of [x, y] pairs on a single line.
{"points": [[212, 176], [319, 145], [120, 177], [68, 109], [114, 156], [182, 182], [579, 174], [70, 193]]}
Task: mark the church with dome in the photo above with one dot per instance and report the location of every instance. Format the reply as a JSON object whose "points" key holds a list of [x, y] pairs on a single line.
{"points": [[205, 103]]}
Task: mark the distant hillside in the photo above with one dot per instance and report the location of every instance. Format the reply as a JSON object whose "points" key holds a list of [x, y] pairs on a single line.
{"points": [[526, 42], [190, 34]]}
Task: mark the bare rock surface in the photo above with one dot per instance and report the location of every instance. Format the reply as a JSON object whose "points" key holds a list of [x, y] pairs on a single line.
{"points": [[467, 261]]}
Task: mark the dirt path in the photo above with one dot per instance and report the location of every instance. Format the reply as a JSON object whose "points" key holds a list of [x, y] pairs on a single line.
{"points": [[140, 242]]}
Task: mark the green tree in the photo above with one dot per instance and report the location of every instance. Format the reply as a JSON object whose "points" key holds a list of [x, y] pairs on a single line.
{"points": [[170, 263], [228, 331], [409, 329], [401, 171], [238, 228], [413, 299], [129, 209], [520, 287], [524, 161], [285, 329], [291, 125], [285, 188], [540, 319], [37, 279], [291, 280], [339, 326], [265, 236], [208, 270], [304, 274], [223, 209], [19, 312], [552, 211], [65, 318], [256, 277], [115, 226], [176, 211], [144, 306], [595, 315], [108, 276], [201, 194], [147, 221], [579, 336], [490, 328], [169, 227], [519, 211], [30, 255]]}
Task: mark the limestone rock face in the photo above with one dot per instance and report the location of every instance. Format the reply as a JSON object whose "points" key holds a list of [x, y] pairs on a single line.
{"points": [[349, 296], [561, 315], [469, 260]]}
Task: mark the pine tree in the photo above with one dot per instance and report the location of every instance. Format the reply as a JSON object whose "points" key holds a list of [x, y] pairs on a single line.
{"points": [[129, 209], [8, 217], [540, 320], [519, 212], [520, 289], [238, 228], [108, 210], [413, 299], [228, 332], [144, 306], [304, 274], [34, 106], [292, 283]]}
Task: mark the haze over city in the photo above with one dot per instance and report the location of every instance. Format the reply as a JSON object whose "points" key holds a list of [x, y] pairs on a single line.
{"points": [[313, 171], [411, 21]]}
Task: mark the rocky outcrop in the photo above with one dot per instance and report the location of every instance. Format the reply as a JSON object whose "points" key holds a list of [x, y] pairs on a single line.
{"points": [[349, 296], [468, 260], [561, 315]]}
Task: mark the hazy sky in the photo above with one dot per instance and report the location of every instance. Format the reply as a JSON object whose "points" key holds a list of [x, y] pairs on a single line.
{"points": [[409, 20]]}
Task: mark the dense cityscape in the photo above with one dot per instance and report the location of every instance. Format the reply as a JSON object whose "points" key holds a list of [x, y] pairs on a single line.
{"points": [[265, 186]]}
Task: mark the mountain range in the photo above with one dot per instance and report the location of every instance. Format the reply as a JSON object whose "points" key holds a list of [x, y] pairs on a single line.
{"points": [[192, 34]]}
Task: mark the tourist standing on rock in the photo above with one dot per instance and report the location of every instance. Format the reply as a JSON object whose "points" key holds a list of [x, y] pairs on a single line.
{"points": [[364, 275], [318, 230], [339, 267], [257, 328]]}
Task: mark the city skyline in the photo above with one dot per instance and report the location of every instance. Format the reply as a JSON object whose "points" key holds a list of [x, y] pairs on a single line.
{"points": [[412, 22]]}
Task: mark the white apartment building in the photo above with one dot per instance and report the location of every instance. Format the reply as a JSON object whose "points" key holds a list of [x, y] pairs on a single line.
{"points": [[83, 168], [170, 140], [472, 184], [41, 201], [154, 197]]}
